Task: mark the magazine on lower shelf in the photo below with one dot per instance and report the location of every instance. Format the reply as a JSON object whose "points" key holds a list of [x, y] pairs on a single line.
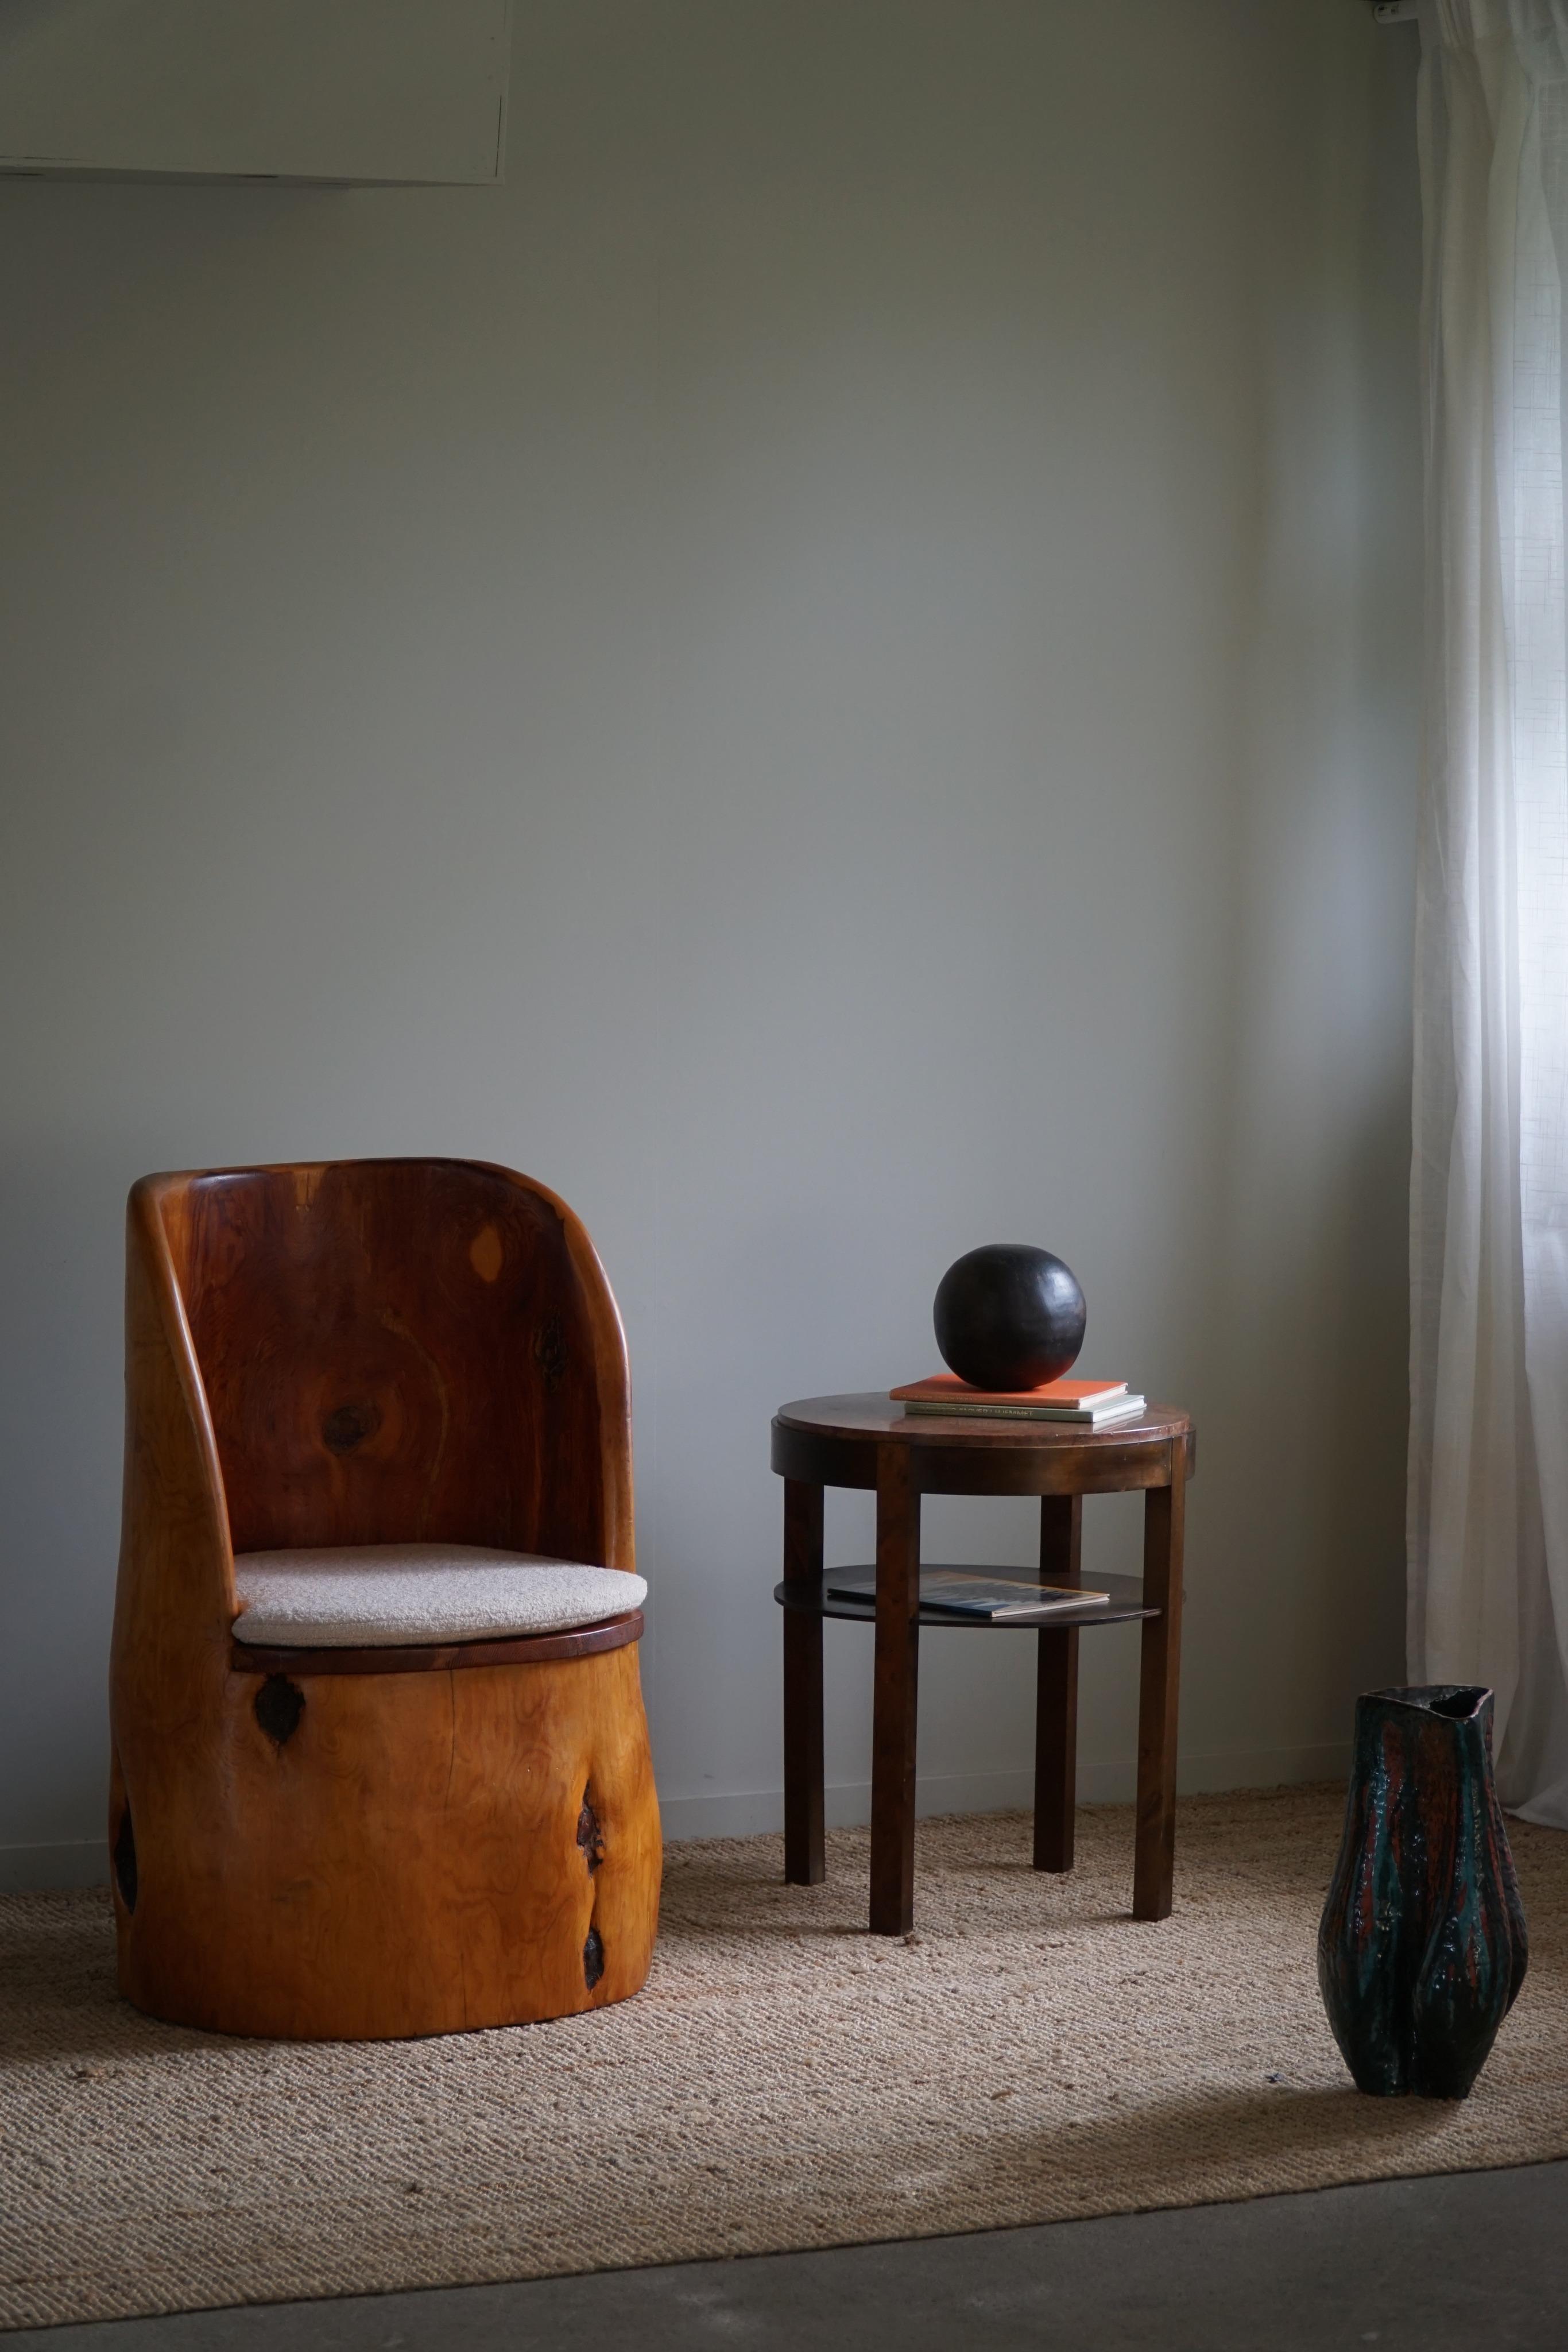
{"points": [[978, 1593]]}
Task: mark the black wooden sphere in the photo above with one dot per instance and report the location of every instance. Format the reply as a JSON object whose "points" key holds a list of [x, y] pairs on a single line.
{"points": [[1009, 1316]]}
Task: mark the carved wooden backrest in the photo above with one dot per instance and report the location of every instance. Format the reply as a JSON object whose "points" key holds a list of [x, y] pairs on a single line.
{"points": [[405, 1350]]}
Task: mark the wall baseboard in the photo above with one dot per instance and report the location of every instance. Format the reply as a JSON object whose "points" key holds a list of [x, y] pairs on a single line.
{"points": [[84, 1862], [747, 1814], [35, 1869]]}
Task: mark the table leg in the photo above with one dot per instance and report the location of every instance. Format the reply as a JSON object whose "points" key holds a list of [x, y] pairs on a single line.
{"points": [[1056, 1690], [1158, 1685], [803, 1864], [894, 1705]]}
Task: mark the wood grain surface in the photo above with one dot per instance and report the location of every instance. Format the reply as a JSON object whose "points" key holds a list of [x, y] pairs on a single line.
{"points": [[518, 1650], [835, 1441], [868, 1441], [895, 1694], [804, 1801], [368, 1352], [1056, 1690]]}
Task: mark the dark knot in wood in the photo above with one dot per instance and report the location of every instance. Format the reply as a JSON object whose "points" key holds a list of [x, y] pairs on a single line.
{"points": [[590, 1836], [549, 1352], [349, 1426], [125, 1861], [592, 1960], [280, 1704]]}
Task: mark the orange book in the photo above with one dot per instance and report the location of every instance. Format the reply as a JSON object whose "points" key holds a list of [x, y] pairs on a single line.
{"points": [[1070, 1396]]}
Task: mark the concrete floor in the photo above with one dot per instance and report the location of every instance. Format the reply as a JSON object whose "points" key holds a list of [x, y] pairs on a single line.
{"points": [[1472, 2260]]}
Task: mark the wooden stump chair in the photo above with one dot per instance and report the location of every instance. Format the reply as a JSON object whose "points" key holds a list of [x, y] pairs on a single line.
{"points": [[379, 1760]]}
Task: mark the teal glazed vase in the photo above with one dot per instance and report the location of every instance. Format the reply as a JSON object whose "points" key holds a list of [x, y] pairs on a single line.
{"points": [[1422, 1947]]}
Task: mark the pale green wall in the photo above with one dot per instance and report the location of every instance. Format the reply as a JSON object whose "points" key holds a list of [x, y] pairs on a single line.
{"points": [[675, 675]]}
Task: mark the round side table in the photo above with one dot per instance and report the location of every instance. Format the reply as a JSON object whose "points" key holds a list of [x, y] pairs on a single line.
{"points": [[869, 1441]]}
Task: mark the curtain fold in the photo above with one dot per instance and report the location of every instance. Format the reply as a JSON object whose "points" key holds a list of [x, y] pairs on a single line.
{"points": [[1488, 1519]]}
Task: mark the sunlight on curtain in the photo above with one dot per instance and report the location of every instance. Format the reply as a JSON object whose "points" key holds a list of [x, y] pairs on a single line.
{"points": [[1489, 1455]]}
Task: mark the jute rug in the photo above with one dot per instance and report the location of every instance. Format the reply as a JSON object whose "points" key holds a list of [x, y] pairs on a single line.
{"points": [[785, 2081]]}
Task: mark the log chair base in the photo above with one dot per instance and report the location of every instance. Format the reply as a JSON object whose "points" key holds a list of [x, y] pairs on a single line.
{"points": [[362, 1857], [346, 1846]]}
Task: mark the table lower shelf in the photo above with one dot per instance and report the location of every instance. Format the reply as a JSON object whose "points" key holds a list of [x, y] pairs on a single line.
{"points": [[1127, 1601]]}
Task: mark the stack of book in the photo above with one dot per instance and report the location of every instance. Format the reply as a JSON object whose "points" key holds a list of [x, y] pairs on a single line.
{"points": [[1089, 1404]]}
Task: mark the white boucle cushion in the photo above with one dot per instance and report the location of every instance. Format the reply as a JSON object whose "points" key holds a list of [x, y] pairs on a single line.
{"points": [[376, 1595]]}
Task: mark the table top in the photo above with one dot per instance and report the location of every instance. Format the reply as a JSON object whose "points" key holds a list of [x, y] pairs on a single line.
{"points": [[835, 1441], [875, 1417]]}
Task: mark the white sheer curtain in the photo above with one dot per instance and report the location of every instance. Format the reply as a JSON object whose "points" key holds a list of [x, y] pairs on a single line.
{"points": [[1488, 1454]]}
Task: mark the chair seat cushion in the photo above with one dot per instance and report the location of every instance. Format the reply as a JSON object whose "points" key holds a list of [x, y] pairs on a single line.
{"points": [[373, 1596]]}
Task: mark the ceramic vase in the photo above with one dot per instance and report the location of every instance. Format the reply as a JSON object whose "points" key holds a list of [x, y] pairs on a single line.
{"points": [[1422, 1945]]}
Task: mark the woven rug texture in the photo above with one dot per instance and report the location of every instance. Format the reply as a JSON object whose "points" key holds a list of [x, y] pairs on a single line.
{"points": [[785, 2081]]}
